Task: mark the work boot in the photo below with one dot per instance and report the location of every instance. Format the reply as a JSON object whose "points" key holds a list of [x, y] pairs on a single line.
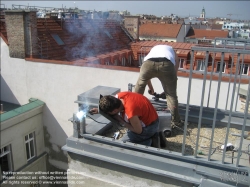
{"points": [[163, 141], [163, 95], [155, 140]]}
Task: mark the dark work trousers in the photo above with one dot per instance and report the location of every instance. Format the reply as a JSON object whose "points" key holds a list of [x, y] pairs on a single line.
{"points": [[164, 70], [145, 137]]}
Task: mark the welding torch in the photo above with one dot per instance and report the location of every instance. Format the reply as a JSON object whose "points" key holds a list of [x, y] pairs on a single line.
{"points": [[93, 111]]}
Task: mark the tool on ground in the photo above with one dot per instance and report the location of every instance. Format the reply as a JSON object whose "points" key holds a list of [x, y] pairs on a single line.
{"points": [[229, 147], [158, 96], [116, 135]]}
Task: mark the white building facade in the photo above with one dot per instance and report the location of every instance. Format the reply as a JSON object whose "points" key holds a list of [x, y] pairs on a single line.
{"points": [[22, 145], [232, 25]]}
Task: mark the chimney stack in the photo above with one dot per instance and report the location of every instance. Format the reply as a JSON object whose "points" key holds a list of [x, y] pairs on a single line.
{"points": [[21, 26], [131, 23]]}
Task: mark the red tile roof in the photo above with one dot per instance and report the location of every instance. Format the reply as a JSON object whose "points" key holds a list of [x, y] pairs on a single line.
{"points": [[218, 56], [175, 45], [82, 38], [246, 58], [159, 30], [100, 42], [145, 46], [216, 26], [208, 34]]}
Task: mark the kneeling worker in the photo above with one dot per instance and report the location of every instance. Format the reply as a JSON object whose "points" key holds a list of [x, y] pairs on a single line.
{"points": [[135, 112]]}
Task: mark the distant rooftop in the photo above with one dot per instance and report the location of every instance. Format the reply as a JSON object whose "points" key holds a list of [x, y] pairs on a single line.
{"points": [[11, 110], [8, 106]]}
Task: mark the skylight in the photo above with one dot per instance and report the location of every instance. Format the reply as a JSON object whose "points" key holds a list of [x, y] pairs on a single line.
{"points": [[108, 34], [57, 39]]}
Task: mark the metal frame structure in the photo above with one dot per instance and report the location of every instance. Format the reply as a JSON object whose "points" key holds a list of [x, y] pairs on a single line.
{"points": [[194, 169]]}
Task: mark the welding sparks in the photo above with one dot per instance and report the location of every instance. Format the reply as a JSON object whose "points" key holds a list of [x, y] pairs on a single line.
{"points": [[80, 114]]}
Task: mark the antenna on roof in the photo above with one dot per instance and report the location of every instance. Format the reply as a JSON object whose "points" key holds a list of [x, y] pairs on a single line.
{"points": [[1, 109]]}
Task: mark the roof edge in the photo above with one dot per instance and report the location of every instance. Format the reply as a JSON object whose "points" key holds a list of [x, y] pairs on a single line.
{"points": [[33, 103]]}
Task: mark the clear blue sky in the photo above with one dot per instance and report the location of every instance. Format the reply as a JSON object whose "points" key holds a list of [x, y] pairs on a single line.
{"points": [[238, 9]]}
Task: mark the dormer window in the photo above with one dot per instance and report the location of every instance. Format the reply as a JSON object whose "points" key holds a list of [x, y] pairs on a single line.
{"points": [[181, 63], [244, 69], [200, 65], [219, 64]]}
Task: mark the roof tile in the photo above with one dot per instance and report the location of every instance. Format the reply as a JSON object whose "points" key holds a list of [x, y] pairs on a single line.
{"points": [[208, 34], [160, 30]]}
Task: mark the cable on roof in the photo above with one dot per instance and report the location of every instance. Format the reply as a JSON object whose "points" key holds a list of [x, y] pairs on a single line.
{"points": [[96, 121]]}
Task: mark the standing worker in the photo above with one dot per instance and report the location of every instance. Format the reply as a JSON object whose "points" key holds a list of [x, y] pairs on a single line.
{"points": [[163, 63]]}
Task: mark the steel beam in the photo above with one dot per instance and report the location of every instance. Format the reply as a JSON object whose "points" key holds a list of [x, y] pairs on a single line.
{"points": [[152, 160]]}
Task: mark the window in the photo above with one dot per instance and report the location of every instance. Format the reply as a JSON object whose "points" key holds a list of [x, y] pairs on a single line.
{"points": [[200, 65], [5, 159], [108, 34], [181, 63], [30, 146], [218, 67], [244, 69], [57, 39]]}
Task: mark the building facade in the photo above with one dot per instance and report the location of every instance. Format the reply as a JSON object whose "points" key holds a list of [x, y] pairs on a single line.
{"points": [[232, 26], [22, 144]]}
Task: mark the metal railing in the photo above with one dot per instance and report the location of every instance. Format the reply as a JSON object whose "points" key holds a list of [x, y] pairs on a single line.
{"points": [[231, 97], [232, 42], [208, 50], [28, 7]]}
